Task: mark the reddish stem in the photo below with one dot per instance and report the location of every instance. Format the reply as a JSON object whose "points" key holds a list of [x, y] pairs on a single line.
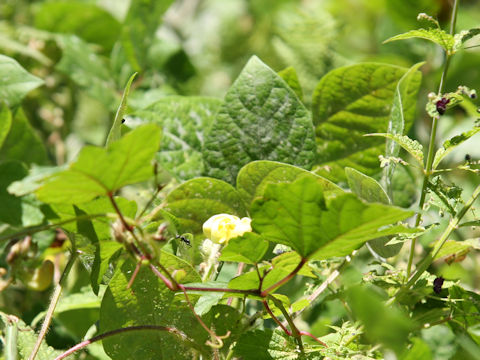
{"points": [[306, 333], [135, 273], [165, 280], [279, 323], [265, 292], [119, 331]]}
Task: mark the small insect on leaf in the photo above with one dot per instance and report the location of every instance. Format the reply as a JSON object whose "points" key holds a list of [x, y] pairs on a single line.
{"points": [[184, 239], [437, 284]]}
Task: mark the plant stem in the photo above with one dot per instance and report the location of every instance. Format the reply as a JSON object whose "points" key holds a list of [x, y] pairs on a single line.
{"points": [[295, 332], [431, 145], [85, 343], [34, 229], [265, 292], [53, 304]]}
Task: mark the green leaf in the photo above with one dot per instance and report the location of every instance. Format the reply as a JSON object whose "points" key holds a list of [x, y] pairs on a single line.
{"points": [[438, 36], [116, 130], [26, 338], [413, 147], [150, 302], [22, 143], [5, 123], [105, 252], [254, 177], [139, 28], [36, 176], [402, 103], [366, 187], [87, 21], [350, 102], [88, 70], [457, 248], [298, 215], [368, 307], [98, 171], [371, 191], [248, 248], [451, 144], [272, 345], [464, 36], [291, 78], [261, 119], [196, 200], [184, 121], [16, 81], [17, 211]]}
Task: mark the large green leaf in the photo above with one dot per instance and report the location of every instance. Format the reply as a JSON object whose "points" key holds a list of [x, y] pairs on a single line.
{"points": [[261, 119], [139, 28], [248, 248], [99, 171], [149, 302], [350, 102], [5, 123], [22, 143], [184, 121], [16, 81], [298, 215], [88, 70], [88, 21], [254, 177], [196, 200]]}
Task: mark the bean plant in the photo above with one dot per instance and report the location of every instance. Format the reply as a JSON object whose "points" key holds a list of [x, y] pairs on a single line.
{"points": [[146, 216]]}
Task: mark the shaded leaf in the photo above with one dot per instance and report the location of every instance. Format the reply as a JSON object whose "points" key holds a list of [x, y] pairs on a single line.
{"points": [[150, 302], [22, 143], [98, 171], [350, 102], [16, 81], [184, 121], [261, 118], [196, 200], [71, 17]]}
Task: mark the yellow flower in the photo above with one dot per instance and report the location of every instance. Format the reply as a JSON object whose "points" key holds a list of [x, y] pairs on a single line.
{"points": [[222, 227]]}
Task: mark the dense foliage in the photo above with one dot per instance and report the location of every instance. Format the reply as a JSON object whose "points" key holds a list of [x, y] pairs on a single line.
{"points": [[242, 179]]}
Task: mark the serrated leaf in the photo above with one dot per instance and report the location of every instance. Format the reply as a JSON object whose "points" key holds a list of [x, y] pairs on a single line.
{"points": [[254, 177], [71, 17], [272, 345], [401, 104], [196, 200], [248, 248], [88, 70], [438, 36], [150, 302], [453, 247], [99, 171], [350, 102], [298, 215], [291, 78], [22, 143], [26, 338], [16, 81], [116, 129], [184, 121], [413, 147], [451, 144], [261, 119]]}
